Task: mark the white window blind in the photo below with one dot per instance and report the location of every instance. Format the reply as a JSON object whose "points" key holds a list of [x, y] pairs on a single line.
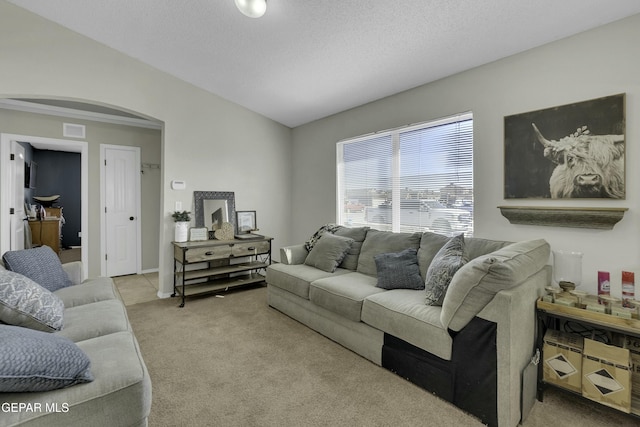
{"points": [[415, 178]]}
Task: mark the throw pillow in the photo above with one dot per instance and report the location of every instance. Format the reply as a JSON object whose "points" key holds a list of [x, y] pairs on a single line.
{"points": [[34, 361], [41, 265], [399, 270], [25, 303], [327, 228], [328, 252], [444, 265], [383, 242]]}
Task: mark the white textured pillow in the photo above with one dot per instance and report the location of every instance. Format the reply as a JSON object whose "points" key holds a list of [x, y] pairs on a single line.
{"points": [[25, 303], [476, 283]]}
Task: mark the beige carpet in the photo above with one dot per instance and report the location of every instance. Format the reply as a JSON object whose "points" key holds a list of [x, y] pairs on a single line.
{"points": [[234, 361]]}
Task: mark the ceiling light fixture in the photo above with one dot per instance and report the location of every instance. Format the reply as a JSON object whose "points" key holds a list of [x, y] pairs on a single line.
{"points": [[252, 8]]}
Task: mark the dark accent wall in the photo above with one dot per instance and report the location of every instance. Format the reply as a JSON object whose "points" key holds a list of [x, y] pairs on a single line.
{"points": [[59, 173]]}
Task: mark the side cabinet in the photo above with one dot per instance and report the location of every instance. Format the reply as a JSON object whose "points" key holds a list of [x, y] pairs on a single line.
{"points": [[218, 265]]}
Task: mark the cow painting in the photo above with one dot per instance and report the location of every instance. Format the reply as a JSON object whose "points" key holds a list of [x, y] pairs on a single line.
{"points": [[586, 165]]}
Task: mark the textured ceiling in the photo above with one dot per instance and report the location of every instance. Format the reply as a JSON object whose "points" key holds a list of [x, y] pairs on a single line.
{"points": [[306, 59]]}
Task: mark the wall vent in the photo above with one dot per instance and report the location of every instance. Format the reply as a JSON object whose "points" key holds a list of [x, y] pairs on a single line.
{"points": [[70, 130]]}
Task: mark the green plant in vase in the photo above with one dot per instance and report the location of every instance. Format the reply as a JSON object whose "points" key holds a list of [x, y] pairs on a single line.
{"points": [[184, 216], [182, 220]]}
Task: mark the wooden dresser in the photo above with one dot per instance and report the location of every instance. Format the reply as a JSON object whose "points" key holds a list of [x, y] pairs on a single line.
{"points": [[46, 232]]}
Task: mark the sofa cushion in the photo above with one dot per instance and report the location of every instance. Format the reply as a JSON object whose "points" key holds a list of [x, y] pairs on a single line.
{"points": [[328, 252], [36, 361], [403, 314], [25, 303], [120, 394], [295, 278], [92, 290], [477, 282], [93, 320], [399, 270], [41, 265], [476, 246], [358, 234], [343, 294], [445, 264], [379, 242], [430, 244]]}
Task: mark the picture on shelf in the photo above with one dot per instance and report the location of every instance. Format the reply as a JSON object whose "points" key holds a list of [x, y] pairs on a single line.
{"points": [[566, 152], [246, 221], [198, 233]]}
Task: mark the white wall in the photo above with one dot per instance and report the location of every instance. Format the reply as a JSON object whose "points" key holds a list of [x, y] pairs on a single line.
{"points": [[205, 137], [590, 65]]}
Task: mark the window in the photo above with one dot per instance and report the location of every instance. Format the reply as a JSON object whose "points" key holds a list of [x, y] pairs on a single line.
{"points": [[416, 178]]}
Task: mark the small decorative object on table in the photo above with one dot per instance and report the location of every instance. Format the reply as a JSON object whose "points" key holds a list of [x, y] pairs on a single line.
{"points": [[246, 221], [553, 292], [604, 284], [579, 295], [225, 232], [567, 269], [182, 219], [200, 233], [628, 289]]}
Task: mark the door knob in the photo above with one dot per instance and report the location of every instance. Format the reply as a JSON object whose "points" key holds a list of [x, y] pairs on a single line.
{"points": [[131, 218]]}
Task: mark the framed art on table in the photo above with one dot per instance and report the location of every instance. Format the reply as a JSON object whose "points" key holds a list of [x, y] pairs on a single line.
{"points": [[198, 233], [246, 221]]}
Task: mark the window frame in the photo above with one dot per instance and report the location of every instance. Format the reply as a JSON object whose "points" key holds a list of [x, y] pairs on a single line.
{"points": [[394, 133]]}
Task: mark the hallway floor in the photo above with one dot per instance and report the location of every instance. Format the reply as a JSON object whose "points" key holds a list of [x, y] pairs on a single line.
{"points": [[137, 288]]}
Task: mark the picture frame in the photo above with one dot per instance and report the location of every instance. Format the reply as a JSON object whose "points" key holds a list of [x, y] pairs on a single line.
{"points": [[198, 234], [33, 170], [567, 152], [246, 221]]}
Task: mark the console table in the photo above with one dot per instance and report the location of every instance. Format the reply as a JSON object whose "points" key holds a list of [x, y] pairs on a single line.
{"points": [[550, 315], [211, 266]]}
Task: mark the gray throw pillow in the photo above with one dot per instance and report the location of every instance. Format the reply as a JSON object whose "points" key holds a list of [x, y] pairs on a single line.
{"points": [[383, 242], [328, 252], [41, 265], [447, 261], [399, 270], [35, 361], [25, 303]]}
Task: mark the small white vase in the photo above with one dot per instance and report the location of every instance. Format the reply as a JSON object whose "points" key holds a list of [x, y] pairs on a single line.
{"points": [[182, 231]]}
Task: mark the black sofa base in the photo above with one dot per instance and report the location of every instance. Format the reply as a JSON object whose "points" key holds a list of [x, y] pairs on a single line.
{"points": [[469, 380]]}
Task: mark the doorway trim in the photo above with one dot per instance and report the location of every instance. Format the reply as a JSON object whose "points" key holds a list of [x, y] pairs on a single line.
{"points": [[81, 147]]}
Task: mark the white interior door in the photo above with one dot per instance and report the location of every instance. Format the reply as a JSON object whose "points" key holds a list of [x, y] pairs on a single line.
{"points": [[16, 185], [121, 184]]}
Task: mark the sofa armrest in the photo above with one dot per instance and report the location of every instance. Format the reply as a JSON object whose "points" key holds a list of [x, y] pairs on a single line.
{"points": [[513, 310], [295, 254], [74, 271]]}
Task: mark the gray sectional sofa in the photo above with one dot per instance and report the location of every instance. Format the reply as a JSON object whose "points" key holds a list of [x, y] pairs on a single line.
{"points": [[116, 388], [471, 350]]}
